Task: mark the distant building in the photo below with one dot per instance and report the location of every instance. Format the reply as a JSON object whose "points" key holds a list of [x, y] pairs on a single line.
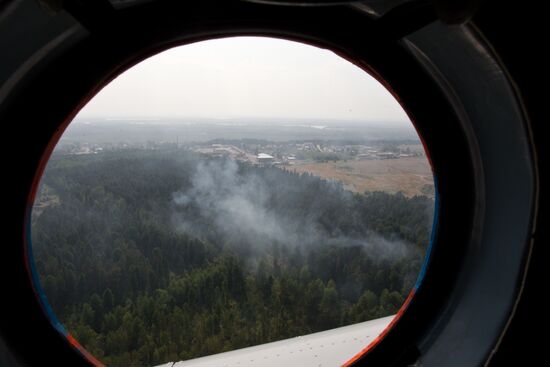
{"points": [[387, 155], [265, 159], [286, 161]]}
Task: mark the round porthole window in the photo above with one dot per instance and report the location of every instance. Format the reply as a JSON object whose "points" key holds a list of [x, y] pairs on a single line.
{"points": [[236, 200]]}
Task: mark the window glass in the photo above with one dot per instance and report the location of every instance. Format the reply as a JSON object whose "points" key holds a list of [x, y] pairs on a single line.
{"points": [[232, 193]]}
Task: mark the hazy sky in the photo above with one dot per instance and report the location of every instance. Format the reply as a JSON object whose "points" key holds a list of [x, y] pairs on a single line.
{"points": [[246, 77]]}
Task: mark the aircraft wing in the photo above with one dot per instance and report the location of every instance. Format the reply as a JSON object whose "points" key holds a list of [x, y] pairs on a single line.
{"points": [[329, 348]]}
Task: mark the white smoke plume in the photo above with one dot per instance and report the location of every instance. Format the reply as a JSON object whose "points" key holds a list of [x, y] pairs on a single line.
{"points": [[239, 205]]}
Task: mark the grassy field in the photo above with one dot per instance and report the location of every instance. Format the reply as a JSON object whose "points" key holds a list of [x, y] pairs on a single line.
{"points": [[410, 175]]}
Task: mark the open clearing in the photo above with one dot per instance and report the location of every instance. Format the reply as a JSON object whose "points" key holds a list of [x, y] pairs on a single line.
{"points": [[411, 175]]}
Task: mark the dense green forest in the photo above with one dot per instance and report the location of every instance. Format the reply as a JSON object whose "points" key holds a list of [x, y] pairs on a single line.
{"points": [[156, 256]]}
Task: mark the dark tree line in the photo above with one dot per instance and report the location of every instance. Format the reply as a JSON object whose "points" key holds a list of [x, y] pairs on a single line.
{"points": [[137, 288]]}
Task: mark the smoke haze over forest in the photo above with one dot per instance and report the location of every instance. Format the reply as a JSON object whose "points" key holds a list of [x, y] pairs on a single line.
{"points": [[256, 208]]}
